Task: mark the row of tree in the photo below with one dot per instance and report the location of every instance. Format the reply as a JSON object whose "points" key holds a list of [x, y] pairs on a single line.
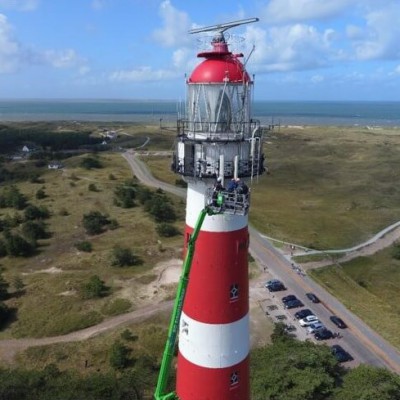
{"points": [[285, 370]]}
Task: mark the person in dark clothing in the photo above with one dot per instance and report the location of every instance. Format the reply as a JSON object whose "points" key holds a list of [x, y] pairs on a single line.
{"points": [[232, 185]]}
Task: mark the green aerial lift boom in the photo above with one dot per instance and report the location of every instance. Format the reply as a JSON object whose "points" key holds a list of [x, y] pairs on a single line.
{"points": [[168, 355]]}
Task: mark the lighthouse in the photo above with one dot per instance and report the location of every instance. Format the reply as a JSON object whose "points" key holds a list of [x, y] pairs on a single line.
{"points": [[218, 153]]}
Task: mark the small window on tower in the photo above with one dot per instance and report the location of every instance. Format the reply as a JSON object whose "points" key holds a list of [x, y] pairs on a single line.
{"points": [[234, 378], [234, 292]]}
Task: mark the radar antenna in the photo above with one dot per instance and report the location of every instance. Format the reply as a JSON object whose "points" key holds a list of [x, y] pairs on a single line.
{"points": [[221, 28]]}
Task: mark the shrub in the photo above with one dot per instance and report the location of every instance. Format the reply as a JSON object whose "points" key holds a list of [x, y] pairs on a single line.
{"points": [[396, 251], [128, 336], [167, 230], [123, 257], [13, 198], [90, 163], [94, 222], [33, 212], [17, 246], [92, 187], [95, 288], [84, 246], [119, 356], [125, 195], [40, 194], [33, 231]]}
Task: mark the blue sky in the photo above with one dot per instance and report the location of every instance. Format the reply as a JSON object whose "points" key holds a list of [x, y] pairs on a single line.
{"points": [[137, 49]]}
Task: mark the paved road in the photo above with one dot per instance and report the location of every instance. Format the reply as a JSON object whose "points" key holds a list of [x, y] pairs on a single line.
{"points": [[362, 342]]}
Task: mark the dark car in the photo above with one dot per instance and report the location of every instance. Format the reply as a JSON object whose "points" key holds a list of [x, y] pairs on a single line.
{"points": [[323, 334], [340, 353], [338, 322], [275, 286], [293, 304], [303, 313], [312, 297], [290, 297]]}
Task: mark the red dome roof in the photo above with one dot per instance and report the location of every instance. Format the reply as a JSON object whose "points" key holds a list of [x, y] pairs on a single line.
{"points": [[217, 69]]}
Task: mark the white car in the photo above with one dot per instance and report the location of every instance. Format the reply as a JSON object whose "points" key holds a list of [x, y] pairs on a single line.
{"points": [[310, 319], [315, 327]]}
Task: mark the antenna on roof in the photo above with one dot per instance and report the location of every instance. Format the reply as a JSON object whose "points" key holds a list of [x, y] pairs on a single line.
{"points": [[221, 28]]}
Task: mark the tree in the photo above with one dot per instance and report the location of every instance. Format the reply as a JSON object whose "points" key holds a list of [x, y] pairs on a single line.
{"points": [[396, 251], [33, 231], [95, 288], [123, 257], [369, 383], [167, 230], [17, 246], [13, 198], [91, 162], [4, 285], [33, 212], [160, 208], [5, 313], [94, 222], [125, 195], [119, 356], [293, 370]]}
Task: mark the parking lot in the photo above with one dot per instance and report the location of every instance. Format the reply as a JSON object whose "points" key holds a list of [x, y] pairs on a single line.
{"points": [[273, 307]]}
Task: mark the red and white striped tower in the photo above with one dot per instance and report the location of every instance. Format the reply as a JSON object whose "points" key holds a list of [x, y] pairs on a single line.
{"points": [[218, 138]]}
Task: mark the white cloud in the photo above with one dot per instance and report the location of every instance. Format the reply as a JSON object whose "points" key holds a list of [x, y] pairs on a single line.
{"points": [[175, 26], [181, 57], [379, 39], [142, 74], [10, 49], [278, 11], [62, 58], [20, 5], [14, 55], [287, 48]]}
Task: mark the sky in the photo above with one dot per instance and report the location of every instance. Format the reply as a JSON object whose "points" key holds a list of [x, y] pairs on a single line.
{"points": [[142, 49]]}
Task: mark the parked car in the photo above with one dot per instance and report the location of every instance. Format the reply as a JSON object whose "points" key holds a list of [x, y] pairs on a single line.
{"points": [[275, 286], [290, 297], [338, 322], [272, 281], [312, 297], [323, 334], [312, 328], [310, 319], [305, 312], [293, 304], [340, 353]]}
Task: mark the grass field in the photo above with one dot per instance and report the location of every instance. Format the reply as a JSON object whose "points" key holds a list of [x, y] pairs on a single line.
{"points": [[51, 303], [369, 287]]}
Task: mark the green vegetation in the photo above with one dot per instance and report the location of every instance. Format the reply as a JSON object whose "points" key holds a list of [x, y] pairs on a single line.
{"points": [[42, 227], [369, 287], [123, 257], [290, 369], [110, 366]]}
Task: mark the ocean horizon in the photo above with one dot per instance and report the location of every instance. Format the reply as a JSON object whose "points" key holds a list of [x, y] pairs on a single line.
{"points": [[341, 113]]}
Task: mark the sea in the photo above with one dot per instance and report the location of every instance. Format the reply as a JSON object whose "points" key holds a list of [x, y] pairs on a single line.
{"points": [[340, 113]]}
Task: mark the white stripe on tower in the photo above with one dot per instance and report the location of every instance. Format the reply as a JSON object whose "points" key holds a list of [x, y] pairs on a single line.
{"points": [[213, 358]]}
